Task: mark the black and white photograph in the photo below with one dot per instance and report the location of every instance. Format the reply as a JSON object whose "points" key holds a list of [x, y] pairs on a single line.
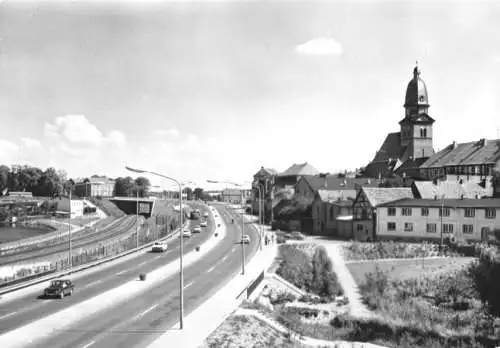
{"points": [[249, 173]]}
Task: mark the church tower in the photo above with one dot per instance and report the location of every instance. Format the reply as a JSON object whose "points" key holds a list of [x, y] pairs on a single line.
{"points": [[416, 126]]}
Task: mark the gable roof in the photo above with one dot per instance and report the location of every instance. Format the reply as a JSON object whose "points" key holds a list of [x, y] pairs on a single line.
{"points": [[334, 183], [449, 203], [454, 190], [381, 195], [268, 171], [472, 153], [300, 169]]}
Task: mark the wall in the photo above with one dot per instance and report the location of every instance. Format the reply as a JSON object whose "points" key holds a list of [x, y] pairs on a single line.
{"points": [[130, 206], [457, 219], [366, 231]]}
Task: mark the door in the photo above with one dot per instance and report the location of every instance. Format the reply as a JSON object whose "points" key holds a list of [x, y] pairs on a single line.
{"points": [[485, 231]]}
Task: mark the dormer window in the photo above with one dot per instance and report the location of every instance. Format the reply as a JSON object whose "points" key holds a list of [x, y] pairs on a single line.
{"points": [[421, 98]]}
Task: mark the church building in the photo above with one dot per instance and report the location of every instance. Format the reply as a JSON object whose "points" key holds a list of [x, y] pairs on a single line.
{"points": [[403, 152]]}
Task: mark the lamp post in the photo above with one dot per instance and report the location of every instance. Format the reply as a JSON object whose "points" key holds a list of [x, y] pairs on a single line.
{"points": [[261, 218], [70, 246], [442, 212], [181, 249], [242, 225]]}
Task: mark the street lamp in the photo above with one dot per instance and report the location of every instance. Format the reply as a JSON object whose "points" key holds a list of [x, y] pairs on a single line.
{"points": [[181, 249], [242, 225]]}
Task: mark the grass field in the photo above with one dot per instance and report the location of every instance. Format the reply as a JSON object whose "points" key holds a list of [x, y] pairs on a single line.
{"points": [[406, 269], [9, 234]]}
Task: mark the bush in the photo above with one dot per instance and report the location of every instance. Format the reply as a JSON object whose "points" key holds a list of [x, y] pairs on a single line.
{"points": [[282, 297], [311, 273], [486, 272]]}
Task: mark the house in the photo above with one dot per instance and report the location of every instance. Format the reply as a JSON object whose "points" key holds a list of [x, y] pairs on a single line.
{"points": [[450, 189], [365, 205], [236, 196], [65, 206], [96, 186], [308, 186], [473, 162], [262, 184], [426, 219], [292, 175], [404, 151], [332, 213]]}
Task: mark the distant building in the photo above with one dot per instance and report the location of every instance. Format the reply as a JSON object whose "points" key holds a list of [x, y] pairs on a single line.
{"points": [[63, 205], [465, 219], [95, 187], [236, 196], [365, 208], [262, 184], [292, 175]]}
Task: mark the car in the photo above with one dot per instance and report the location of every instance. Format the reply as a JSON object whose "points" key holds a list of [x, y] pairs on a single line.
{"points": [[159, 247], [203, 224], [196, 229], [59, 288], [245, 239], [186, 233], [205, 215]]}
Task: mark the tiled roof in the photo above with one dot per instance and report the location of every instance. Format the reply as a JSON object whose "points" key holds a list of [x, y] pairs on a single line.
{"points": [[390, 149], [452, 190], [381, 195], [300, 169], [473, 153], [331, 196], [334, 183], [411, 164], [382, 169], [271, 171], [101, 179], [449, 203]]}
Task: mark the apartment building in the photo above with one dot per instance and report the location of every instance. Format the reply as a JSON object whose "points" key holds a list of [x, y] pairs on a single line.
{"points": [[425, 219]]}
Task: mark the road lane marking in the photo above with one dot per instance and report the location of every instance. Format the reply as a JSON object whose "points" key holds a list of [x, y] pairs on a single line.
{"points": [[92, 284], [142, 263], [224, 258], [147, 311], [211, 269], [88, 344], [189, 284], [7, 315]]}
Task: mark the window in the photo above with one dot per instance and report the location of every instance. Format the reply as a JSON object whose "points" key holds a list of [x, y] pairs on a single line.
{"points": [[406, 211], [391, 226], [331, 214], [425, 211], [391, 211], [470, 212], [359, 228], [423, 132], [490, 213], [431, 228], [444, 212], [468, 229], [408, 227], [447, 228]]}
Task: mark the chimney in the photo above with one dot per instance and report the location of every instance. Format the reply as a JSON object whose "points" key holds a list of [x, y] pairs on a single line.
{"points": [[483, 142], [454, 145]]}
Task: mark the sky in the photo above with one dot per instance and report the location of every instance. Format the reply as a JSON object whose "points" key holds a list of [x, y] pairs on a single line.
{"points": [[215, 90]]}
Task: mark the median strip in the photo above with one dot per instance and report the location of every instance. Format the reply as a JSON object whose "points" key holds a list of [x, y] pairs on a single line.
{"points": [[58, 321]]}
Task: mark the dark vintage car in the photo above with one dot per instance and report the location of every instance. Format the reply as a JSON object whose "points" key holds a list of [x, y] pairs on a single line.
{"points": [[59, 288]]}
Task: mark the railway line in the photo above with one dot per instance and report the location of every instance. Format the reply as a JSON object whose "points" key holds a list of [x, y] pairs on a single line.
{"points": [[82, 240]]}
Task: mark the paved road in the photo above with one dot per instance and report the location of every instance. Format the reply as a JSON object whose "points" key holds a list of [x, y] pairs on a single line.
{"points": [[137, 323], [28, 308]]}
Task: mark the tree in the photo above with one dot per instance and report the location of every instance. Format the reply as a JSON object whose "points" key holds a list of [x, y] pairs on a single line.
{"points": [[142, 186], [50, 183], [189, 192], [4, 177], [124, 187], [198, 193], [495, 180]]}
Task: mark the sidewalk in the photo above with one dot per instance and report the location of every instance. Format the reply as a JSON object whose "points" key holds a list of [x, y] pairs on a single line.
{"points": [[200, 323]]}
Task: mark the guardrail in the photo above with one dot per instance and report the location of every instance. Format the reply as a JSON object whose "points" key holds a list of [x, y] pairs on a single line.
{"points": [[42, 279]]}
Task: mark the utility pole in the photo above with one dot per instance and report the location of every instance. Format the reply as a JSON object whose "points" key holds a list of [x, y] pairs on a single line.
{"points": [[137, 218]]}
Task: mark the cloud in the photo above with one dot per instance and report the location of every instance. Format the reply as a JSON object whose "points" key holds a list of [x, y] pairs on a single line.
{"points": [[9, 152], [171, 131], [31, 143], [74, 129], [320, 46], [117, 138]]}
